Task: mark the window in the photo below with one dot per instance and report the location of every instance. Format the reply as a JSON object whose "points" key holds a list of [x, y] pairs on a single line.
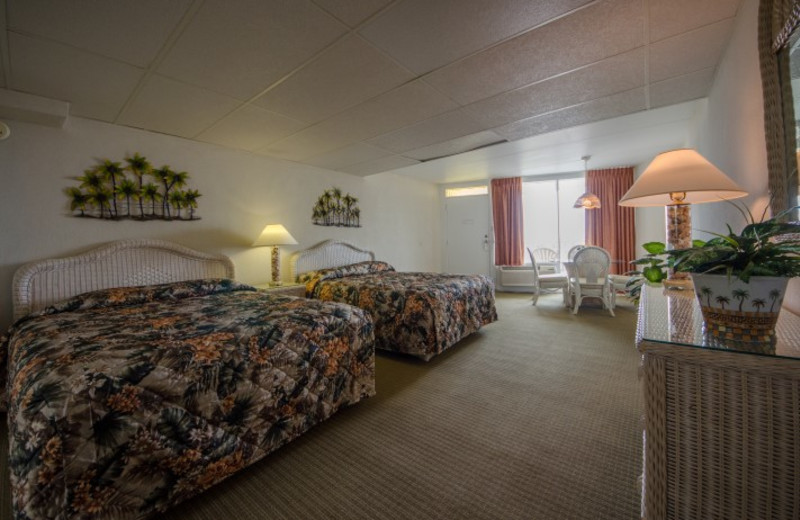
{"points": [[466, 191], [549, 219]]}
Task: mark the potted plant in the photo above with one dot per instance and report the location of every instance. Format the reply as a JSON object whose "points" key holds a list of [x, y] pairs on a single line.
{"points": [[740, 279], [652, 270]]}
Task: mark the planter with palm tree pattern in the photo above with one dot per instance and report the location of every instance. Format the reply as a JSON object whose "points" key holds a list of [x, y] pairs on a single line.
{"points": [[739, 311]]}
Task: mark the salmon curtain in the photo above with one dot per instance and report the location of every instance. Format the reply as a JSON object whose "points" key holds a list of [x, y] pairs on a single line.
{"points": [[509, 244], [612, 226]]}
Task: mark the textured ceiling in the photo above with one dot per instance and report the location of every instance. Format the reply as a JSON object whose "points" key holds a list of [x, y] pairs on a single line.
{"points": [[363, 86]]}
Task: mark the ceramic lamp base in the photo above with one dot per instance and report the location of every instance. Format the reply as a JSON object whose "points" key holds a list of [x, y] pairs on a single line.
{"points": [[276, 266], [679, 233]]}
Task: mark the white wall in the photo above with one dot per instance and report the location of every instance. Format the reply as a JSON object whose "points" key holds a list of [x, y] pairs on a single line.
{"points": [[731, 133], [241, 193], [649, 221]]}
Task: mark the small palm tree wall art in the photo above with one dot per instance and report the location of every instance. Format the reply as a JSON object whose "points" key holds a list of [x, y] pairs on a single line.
{"points": [[113, 191], [334, 209]]}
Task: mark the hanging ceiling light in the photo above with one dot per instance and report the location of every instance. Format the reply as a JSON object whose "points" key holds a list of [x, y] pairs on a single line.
{"points": [[588, 200]]}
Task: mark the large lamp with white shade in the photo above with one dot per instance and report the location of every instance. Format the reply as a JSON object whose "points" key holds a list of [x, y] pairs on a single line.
{"points": [[275, 235], [676, 179]]}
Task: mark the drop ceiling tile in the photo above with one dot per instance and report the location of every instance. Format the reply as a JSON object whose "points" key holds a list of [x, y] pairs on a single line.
{"points": [[424, 35], [596, 110], [384, 164], [96, 87], [689, 52], [250, 128], [403, 106], [353, 154], [239, 47], [315, 140], [395, 109], [398, 108], [677, 16], [132, 32], [350, 12], [455, 146], [168, 106], [682, 88], [601, 79], [349, 72], [597, 32], [439, 129]]}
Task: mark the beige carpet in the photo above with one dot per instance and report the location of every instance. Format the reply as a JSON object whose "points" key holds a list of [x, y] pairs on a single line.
{"points": [[535, 417]]}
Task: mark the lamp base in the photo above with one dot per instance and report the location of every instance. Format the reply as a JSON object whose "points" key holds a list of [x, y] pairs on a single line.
{"points": [[276, 266], [679, 233]]}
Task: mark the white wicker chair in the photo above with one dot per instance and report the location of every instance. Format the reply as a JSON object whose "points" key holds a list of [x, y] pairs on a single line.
{"points": [[547, 281], [590, 278], [573, 251], [546, 259]]}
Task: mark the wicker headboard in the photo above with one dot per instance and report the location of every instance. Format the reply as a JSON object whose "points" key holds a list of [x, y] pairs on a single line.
{"points": [[330, 253], [117, 264]]}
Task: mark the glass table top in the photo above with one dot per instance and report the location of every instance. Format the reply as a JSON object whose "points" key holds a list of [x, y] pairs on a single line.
{"points": [[673, 316]]}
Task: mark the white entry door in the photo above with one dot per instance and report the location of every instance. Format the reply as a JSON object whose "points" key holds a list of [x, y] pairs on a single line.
{"points": [[467, 243]]}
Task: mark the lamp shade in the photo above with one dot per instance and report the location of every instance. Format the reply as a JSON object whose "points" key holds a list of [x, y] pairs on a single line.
{"points": [[681, 171], [587, 201], [275, 235]]}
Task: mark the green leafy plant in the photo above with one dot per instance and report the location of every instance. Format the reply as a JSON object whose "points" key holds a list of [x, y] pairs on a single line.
{"points": [[654, 262], [653, 269], [763, 248]]}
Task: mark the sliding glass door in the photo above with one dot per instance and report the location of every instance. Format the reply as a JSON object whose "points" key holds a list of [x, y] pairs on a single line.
{"points": [[549, 219]]}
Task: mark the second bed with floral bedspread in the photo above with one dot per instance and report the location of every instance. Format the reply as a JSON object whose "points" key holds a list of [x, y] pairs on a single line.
{"points": [[124, 402], [421, 314]]}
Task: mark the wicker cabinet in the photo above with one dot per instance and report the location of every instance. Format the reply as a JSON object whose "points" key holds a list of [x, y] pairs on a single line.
{"points": [[721, 424]]}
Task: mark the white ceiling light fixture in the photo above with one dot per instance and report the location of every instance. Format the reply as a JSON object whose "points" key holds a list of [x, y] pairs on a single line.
{"points": [[5, 131], [588, 200]]}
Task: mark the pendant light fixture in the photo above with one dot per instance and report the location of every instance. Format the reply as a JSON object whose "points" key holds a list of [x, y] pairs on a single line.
{"points": [[588, 200]]}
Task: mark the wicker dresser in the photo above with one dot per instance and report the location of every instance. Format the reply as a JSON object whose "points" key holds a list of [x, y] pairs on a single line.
{"points": [[721, 425]]}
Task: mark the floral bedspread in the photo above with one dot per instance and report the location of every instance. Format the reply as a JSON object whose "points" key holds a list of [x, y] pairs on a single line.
{"points": [[124, 402], [421, 314]]}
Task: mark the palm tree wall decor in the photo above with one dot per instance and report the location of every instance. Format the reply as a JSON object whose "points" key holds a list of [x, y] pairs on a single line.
{"points": [[335, 209], [105, 184]]}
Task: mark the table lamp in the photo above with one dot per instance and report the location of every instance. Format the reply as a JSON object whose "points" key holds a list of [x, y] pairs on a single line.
{"points": [[676, 179], [275, 235]]}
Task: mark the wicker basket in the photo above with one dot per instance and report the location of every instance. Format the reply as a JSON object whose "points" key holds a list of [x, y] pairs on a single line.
{"points": [[739, 326]]}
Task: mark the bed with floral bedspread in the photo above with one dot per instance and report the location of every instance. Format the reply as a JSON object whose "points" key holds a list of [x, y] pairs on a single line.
{"points": [[124, 402], [421, 314]]}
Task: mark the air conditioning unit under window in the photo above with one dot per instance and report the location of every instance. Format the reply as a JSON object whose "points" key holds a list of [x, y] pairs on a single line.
{"points": [[514, 278]]}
